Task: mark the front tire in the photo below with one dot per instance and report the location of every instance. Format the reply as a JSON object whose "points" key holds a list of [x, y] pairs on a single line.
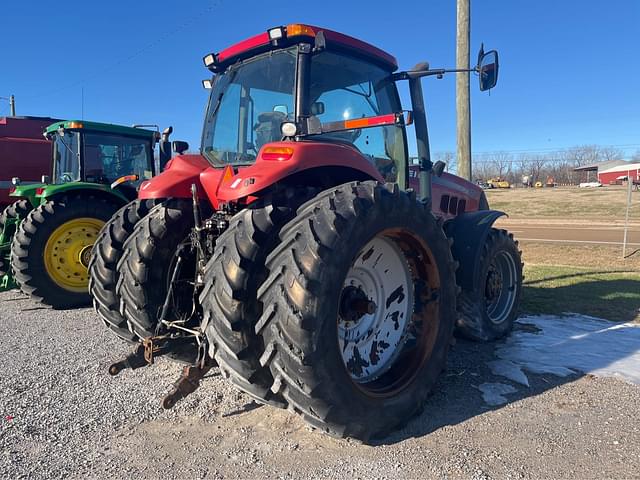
{"points": [[359, 309], [51, 250], [489, 311], [103, 271]]}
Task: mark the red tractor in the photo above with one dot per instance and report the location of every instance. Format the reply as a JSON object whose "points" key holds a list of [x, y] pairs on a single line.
{"points": [[292, 252]]}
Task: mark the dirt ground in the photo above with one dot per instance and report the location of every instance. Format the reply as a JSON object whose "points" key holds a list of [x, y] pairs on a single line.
{"points": [[63, 416]]}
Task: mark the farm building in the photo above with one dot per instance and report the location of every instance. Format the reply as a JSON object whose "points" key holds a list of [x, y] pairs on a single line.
{"points": [[591, 172], [615, 174]]}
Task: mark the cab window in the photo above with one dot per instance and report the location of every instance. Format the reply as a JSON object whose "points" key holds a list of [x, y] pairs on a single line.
{"points": [[345, 88], [109, 157]]}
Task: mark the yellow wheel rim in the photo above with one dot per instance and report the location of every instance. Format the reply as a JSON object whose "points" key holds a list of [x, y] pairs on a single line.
{"points": [[68, 250]]}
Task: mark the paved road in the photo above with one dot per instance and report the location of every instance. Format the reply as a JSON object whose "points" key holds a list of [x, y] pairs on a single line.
{"points": [[555, 233]]}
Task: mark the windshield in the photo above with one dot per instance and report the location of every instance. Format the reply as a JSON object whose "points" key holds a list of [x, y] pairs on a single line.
{"points": [[109, 157], [66, 157], [246, 107]]}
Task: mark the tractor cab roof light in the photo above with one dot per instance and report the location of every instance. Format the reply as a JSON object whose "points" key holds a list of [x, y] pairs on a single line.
{"points": [[207, 83], [298, 29], [75, 125], [209, 60], [275, 33]]}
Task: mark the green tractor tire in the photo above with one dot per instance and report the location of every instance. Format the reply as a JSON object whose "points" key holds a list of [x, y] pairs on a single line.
{"points": [[52, 248], [9, 218]]}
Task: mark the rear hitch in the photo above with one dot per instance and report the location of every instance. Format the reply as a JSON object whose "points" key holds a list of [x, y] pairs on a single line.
{"points": [[146, 352], [188, 383], [135, 359]]}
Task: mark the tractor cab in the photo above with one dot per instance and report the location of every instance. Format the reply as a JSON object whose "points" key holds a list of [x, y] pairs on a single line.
{"points": [[102, 154], [277, 94], [290, 86]]}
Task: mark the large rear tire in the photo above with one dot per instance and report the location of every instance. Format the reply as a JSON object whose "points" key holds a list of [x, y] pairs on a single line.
{"points": [[359, 309], [51, 250], [489, 311], [103, 271], [229, 298], [147, 260], [17, 210]]}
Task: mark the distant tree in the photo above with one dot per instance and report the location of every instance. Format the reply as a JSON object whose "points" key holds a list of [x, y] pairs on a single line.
{"points": [[449, 158], [502, 163], [610, 153]]}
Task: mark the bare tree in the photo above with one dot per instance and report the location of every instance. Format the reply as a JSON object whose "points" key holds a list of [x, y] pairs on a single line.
{"points": [[610, 153], [449, 158], [502, 163]]}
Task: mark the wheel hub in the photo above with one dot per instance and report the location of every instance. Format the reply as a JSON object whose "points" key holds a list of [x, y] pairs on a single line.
{"points": [[375, 310], [494, 282], [85, 255]]}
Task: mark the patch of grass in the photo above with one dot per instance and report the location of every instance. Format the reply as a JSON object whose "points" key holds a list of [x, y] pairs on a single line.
{"points": [[611, 294], [605, 203], [598, 257]]}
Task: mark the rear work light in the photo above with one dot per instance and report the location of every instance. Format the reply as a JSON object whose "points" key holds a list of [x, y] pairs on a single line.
{"points": [[278, 154], [276, 33], [209, 60]]}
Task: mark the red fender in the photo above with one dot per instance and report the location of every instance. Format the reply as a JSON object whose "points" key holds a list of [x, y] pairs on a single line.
{"points": [[176, 179], [269, 168]]}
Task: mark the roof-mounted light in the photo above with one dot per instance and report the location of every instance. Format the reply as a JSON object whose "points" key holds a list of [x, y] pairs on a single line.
{"points": [[208, 84], [74, 125], [276, 33], [297, 29], [209, 60]]}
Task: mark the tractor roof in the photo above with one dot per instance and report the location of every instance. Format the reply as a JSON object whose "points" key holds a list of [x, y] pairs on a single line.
{"points": [[100, 127], [297, 33]]}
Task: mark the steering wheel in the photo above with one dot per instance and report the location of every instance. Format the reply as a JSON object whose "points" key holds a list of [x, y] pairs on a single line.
{"points": [[66, 177]]}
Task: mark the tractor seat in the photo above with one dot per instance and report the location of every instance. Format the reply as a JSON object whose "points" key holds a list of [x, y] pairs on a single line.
{"points": [[268, 128]]}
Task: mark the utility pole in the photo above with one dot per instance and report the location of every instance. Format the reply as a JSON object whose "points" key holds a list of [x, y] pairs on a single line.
{"points": [[12, 105], [463, 102]]}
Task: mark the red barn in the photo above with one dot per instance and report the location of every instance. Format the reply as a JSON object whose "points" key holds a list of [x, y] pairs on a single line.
{"points": [[24, 152], [615, 174]]}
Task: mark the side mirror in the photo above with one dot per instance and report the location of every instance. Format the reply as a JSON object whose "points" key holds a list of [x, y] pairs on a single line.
{"points": [[180, 147], [317, 108], [488, 69]]}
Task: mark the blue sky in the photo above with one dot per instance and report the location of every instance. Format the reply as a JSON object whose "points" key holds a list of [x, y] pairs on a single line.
{"points": [[569, 70]]}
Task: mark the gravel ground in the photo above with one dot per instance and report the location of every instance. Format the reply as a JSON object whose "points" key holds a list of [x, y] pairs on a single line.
{"points": [[63, 416]]}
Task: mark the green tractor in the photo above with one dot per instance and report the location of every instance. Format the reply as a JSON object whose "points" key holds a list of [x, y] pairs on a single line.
{"points": [[47, 234]]}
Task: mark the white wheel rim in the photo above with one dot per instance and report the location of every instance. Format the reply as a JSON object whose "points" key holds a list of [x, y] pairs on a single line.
{"points": [[371, 343]]}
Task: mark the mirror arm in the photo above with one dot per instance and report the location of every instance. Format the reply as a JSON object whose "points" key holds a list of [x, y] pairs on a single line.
{"points": [[427, 73]]}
